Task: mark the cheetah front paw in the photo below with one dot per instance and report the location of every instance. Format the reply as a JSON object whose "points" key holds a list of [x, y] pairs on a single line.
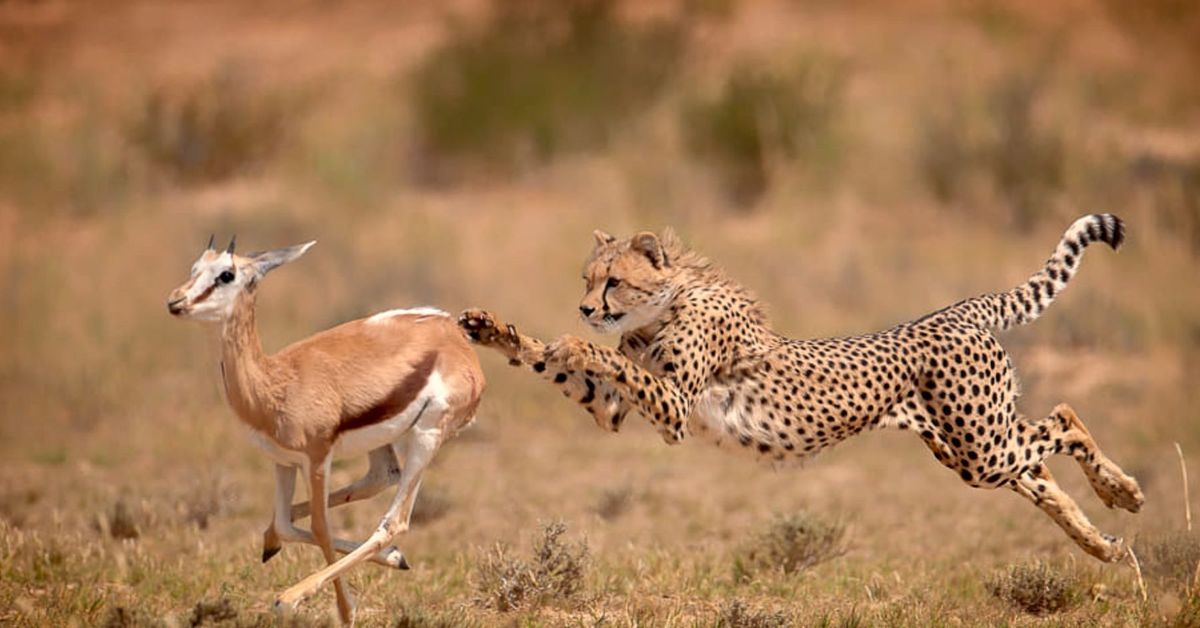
{"points": [[576, 354], [485, 328]]}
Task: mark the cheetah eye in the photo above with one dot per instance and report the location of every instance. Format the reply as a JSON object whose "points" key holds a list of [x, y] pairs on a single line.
{"points": [[613, 282], [225, 277]]}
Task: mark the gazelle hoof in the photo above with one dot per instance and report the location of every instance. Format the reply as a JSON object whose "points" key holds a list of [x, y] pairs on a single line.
{"points": [[270, 552], [395, 558]]}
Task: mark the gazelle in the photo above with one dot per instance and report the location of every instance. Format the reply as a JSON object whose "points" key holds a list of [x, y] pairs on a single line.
{"points": [[396, 385]]}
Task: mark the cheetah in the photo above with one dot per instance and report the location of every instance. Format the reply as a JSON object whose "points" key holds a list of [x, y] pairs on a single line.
{"points": [[697, 356]]}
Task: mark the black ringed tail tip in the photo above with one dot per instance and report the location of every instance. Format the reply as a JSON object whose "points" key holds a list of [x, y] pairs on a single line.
{"points": [[1107, 228]]}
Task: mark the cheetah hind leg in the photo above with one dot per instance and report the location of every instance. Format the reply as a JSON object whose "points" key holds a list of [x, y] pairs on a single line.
{"points": [[1115, 488], [1039, 487]]}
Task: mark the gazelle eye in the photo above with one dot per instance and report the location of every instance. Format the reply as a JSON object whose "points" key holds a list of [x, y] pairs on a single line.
{"points": [[225, 277], [613, 282]]}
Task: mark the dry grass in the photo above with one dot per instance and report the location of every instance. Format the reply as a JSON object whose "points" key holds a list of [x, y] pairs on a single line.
{"points": [[111, 413]]}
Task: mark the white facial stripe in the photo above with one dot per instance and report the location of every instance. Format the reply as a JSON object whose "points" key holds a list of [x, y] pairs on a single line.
{"points": [[209, 299]]}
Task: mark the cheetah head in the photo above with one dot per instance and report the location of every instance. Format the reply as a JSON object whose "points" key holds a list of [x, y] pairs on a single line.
{"points": [[629, 282]]}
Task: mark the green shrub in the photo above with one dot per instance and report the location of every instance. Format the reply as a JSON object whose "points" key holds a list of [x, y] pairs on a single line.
{"points": [[762, 118], [540, 78]]}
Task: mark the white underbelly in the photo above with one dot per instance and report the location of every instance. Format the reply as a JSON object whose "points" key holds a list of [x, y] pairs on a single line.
{"points": [[429, 404]]}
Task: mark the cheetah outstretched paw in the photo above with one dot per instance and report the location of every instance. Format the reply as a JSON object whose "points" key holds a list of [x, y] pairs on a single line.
{"points": [[485, 328]]}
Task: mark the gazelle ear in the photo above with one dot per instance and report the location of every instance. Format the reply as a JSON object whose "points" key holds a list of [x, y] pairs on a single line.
{"points": [[648, 244], [266, 261], [603, 238]]}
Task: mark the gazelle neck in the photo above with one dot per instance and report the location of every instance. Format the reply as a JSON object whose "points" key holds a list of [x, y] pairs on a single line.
{"points": [[244, 368]]}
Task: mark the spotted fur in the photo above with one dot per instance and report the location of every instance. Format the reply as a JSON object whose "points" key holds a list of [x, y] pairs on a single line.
{"points": [[697, 356]]}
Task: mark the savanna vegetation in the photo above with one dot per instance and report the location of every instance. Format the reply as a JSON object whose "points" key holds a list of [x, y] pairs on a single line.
{"points": [[855, 163]]}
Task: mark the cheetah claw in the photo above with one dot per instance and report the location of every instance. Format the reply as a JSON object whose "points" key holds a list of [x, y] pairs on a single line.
{"points": [[484, 328]]}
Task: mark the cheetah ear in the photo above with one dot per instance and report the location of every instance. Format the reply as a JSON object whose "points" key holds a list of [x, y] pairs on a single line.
{"points": [[647, 244], [603, 238]]}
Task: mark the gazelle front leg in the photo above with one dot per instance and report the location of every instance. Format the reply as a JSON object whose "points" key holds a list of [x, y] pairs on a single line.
{"points": [[384, 470], [420, 448], [282, 529], [318, 490]]}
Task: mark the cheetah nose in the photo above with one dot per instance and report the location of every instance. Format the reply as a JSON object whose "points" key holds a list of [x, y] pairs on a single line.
{"points": [[586, 310]]}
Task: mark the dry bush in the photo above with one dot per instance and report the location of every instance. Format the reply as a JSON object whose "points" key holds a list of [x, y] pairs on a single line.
{"points": [[614, 501], [123, 617], [1037, 588], [431, 505], [1172, 558], [554, 573], [121, 521], [208, 612], [790, 544], [737, 614], [211, 131], [761, 118], [540, 78], [417, 618]]}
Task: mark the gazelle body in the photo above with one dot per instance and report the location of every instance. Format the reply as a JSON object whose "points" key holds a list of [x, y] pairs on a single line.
{"points": [[395, 385]]}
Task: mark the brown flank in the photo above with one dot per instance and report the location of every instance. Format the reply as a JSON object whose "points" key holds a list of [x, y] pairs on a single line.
{"points": [[400, 398]]}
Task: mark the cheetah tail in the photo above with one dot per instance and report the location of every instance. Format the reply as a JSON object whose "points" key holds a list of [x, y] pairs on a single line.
{"points": [[1026, 302]]}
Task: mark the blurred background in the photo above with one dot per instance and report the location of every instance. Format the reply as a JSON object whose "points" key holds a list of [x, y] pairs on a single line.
{"points": [[855, 163]]}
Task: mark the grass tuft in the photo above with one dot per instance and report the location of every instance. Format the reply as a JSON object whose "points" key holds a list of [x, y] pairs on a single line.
{"points": [[790, 544], [416, 618], [554, 573], [1037, 588], [1172, 558], [737, 614]]}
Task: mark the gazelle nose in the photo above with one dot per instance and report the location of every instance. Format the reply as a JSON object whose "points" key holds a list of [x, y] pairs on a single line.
{"points": [[175, 306], [586, 310]]}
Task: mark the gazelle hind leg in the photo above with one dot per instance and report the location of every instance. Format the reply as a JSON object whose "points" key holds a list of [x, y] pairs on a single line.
{"points": [[1039, 487], [282, 529], [1115, 488], [422, 443]]}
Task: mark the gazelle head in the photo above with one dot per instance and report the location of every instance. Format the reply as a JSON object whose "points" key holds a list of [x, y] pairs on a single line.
{"points": [[219, 277]]}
